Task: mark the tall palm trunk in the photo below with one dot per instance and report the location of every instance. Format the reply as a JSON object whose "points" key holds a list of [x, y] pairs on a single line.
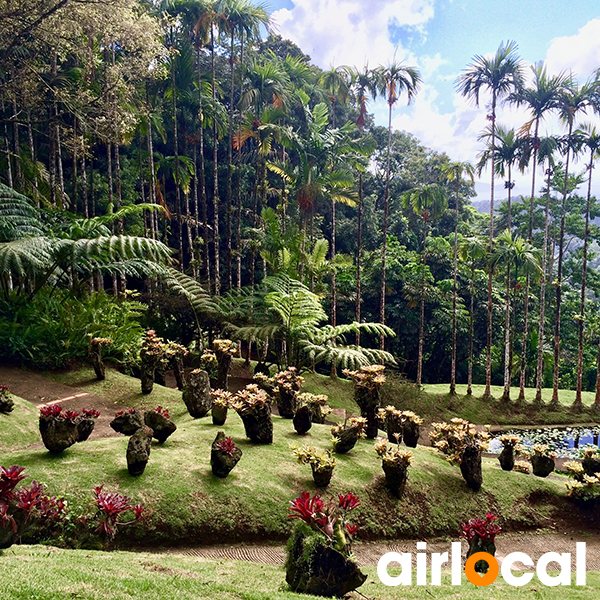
{"points": [[454, 292], [386, 208], [177, 173], [561, 241], [540, 356], [333, 273], [488, 361], [578, 404], [202, 178], [471, 331], [229, 199], [359, 255], [9, 175], [153, 214], [506, 392], [217, 271], [238, 231], [422, 311], [16, 145]]}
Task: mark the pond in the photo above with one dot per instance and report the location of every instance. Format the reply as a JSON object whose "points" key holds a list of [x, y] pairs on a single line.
{"points": [[567, 442]]}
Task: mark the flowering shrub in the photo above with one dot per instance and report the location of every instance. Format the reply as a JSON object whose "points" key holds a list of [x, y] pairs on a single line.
{"points": [[484, 529], [227, 445], [110, 506], [451, 439], [393, 456], [328, 518]]}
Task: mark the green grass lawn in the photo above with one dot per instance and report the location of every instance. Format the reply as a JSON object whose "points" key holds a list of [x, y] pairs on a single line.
{"points": [[19, 428], [190, 505], [45, 573]]}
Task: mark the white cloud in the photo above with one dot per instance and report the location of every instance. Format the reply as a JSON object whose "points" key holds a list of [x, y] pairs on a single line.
{"points": [[579, 53], [351, 32]]}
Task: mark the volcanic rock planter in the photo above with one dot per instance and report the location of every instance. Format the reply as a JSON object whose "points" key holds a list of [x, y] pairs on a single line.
{"points": [[317, 404], [175, 353], [542, 466], [481, 535], [478, 545], [138, 451], [224, 455], [367, 382], [196, 394], [590, 462], [219, 414], [6, 402], [507, 456], [289, 384], [86, 424], [150, 354], [346, 435], [221, 403], [224, 351], [396, 477], [254, 407], [470, 467], [322, 475], [58, 432], [302, 420], [391, 418], [158, 420], [312, 567], [411, 428], [128, 422]]}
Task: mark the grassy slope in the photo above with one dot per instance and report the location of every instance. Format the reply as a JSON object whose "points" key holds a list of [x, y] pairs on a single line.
{"points": [[191, 505], [40, 573], [19, 428]]}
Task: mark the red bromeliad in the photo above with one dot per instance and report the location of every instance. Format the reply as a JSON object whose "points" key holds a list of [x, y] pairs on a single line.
{"points": [[90, 412], [484, 529], [227, 445], [162, 411], [110, 506]]}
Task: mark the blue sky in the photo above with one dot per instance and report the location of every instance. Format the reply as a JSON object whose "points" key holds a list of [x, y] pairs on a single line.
{"points": [[440, 38]]}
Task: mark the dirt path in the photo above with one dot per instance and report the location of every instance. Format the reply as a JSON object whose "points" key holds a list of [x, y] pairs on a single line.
{"points": [[40, 390], [368, 554]]}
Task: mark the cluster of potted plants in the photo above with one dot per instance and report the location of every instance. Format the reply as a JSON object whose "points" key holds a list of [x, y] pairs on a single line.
{"points": [[60, 429], [319, 551], [462, 444], [406, 424]]}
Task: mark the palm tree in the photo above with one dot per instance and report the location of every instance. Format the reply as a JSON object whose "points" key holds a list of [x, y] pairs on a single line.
{"points": [[453, 173], [573, 100], [427, 202], [499, 74], [541, 97], [546, 149], [592, 141], [512, 253], [472, 250], [391, 82], [363, 85]]}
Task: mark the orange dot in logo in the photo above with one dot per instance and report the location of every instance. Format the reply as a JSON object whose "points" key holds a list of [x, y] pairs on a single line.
{"points": [[474, 577]]}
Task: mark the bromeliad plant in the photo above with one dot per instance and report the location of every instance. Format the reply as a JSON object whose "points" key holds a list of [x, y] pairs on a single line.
{"points": [[321, 462], [288, 385], [481, 535], [108, 508], [328, 518], [95, 352], [224, 351], [150, 353], [221, 402], [542, 459], [254, 407], [60, 428], [26, 508], [511, 447], [319, 551]]}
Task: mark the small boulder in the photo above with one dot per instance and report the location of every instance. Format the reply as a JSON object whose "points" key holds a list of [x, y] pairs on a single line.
{"points": [[128, 422], [196, 394], [160, 425], [224, 455]]}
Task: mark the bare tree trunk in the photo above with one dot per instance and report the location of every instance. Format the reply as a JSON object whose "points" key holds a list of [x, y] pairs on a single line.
{"points": [[217, 276], [32, 155], [333, 273], [9, 174], [578, 404], [359, 255], [454, 292], [229, 199], [16, 145], [506, 392], [422, 313], [471, 331], [540, 356]]}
